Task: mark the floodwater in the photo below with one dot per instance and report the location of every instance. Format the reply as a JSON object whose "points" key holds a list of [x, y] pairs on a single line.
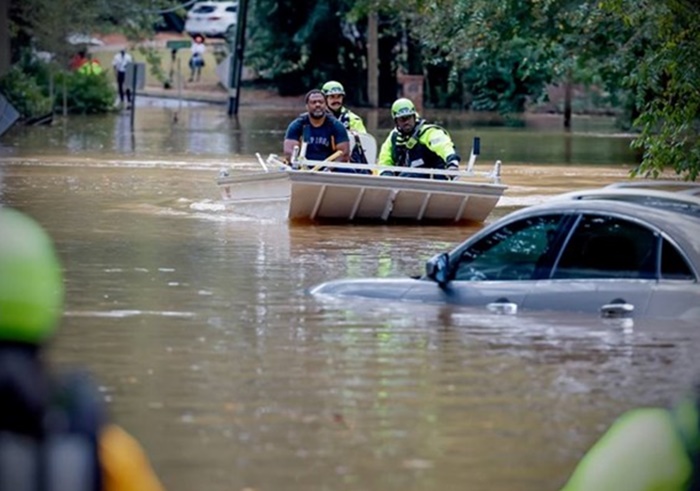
{"points": [[197, 322]]}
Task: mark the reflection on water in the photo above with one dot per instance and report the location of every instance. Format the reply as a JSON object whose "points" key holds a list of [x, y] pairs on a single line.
{"points": [[207, 132], [197, 322]]}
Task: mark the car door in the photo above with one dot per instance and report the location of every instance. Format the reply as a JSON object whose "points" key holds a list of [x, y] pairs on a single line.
{"points": [[677, 293], [498, 270], [607, 266]]}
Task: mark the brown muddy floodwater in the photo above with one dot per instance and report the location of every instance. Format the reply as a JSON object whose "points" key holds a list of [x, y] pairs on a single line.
{"points": [[197, 322]]}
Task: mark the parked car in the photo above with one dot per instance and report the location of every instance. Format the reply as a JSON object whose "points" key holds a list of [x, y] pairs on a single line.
{"points": [[608, 257], [213, 19]]}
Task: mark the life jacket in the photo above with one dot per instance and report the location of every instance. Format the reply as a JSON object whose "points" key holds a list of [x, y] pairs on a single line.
{"points": [[410, 151], [90, 67], [64, 457]]}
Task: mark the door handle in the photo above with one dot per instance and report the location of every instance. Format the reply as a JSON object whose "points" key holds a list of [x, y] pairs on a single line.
{"points": [[616, 309], [502, 306]]}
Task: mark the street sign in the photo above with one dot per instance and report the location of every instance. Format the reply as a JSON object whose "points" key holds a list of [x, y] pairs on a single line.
{"points": [[178, 44], [137, 80], [8, 115]]}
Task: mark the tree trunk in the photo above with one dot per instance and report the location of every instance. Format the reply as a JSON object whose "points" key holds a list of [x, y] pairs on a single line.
{"points": [[567, 100], [372, 60]]}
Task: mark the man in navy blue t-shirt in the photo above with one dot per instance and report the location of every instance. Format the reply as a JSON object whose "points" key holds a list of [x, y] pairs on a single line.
{"points": [[323, 134]]}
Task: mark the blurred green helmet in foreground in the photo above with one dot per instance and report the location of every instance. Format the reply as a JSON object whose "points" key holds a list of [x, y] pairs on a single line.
{"points": [[31, 282], [333, 87], [402, 107]]}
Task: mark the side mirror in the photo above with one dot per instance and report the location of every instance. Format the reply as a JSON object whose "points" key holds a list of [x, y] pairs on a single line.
{"points": [[437, 268]]}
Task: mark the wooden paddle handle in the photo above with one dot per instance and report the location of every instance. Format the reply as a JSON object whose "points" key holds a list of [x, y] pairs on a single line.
{"points": [[333, 156]]}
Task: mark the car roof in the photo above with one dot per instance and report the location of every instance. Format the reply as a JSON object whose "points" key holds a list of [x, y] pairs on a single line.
{"points": [[681, 228], [679, 196]]}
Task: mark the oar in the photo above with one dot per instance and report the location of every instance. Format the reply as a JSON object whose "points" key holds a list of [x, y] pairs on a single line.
{"points": [[330, 158]]}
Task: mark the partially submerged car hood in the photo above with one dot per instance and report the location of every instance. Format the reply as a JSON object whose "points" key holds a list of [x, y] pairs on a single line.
{"points": [[392, 288]]}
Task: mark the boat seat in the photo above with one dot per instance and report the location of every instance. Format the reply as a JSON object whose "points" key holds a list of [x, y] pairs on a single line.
{"points": [[369, 145]]}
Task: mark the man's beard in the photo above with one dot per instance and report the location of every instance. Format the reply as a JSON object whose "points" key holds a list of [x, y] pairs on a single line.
{"points": [[319, 114]]}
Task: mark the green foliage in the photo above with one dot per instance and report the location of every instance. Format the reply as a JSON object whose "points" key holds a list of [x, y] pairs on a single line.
{"points": [[87, 93], [504, 81], [664, 81], [24, 93], [299, 44]]}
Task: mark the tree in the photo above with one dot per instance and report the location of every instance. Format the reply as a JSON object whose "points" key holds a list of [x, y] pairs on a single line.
{"points": [[665, 80], [299, 44]]}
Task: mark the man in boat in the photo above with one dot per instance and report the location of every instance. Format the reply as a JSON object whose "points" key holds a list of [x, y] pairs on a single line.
{"points": [[334, 93], [646, 449], [416, 143], [318, 132], [53, 432]]}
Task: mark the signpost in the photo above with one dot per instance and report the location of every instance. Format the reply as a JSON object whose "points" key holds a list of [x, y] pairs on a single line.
{"points": [[174, 45], [136, 73], [234, 86]]}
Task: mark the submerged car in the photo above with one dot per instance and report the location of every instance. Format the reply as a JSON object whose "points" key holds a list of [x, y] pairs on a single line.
{"points": [[614, 258]]}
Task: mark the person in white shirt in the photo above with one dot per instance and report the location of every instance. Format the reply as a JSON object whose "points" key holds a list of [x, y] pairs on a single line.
{"points": [[197, 59], [119, 63]]}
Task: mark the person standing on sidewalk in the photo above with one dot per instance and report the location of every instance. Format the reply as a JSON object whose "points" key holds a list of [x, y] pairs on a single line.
{"points": [[197, 58], [119, 63]]}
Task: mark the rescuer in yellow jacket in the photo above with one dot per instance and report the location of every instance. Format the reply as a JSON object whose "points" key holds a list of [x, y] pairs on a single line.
{"points": [[53, 432], [415, 143], [646, 449]]}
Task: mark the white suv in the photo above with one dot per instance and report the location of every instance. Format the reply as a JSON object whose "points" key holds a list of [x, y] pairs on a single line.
{"points": [[212, 18]]}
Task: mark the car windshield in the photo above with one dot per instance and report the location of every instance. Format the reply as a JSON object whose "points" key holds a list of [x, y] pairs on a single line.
{"points": [[512, 252]]}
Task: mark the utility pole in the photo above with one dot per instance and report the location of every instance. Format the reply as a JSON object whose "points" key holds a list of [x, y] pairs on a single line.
{"points": [[4, 37], [372, 60], [236, 61]]}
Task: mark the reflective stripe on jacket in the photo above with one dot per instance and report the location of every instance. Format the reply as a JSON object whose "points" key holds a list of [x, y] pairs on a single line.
{"points": [[351, 121], [429, 147]]}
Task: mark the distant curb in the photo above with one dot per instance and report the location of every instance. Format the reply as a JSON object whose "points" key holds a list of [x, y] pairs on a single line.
{"points": [[187, 95]]}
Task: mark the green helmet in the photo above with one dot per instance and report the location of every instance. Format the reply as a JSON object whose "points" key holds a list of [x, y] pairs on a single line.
{"points": [[332, 87], [31, 282], [402, 107]]}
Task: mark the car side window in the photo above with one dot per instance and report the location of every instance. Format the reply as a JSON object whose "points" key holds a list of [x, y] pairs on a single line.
{"points": [[608, 247], [204, 9], [511, 252], [673, 264]]}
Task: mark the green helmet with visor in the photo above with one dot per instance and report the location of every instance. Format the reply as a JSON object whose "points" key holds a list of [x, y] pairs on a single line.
{"points": [[403, 107], [31, 281], [333, 87]]}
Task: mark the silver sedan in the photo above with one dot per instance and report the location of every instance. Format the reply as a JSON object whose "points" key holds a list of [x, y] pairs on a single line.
{"points": [[612, 258]]}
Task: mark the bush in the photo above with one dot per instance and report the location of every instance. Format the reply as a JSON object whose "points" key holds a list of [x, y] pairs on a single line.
{"points": [[26, 87], [25, 94], [87, 93]]}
